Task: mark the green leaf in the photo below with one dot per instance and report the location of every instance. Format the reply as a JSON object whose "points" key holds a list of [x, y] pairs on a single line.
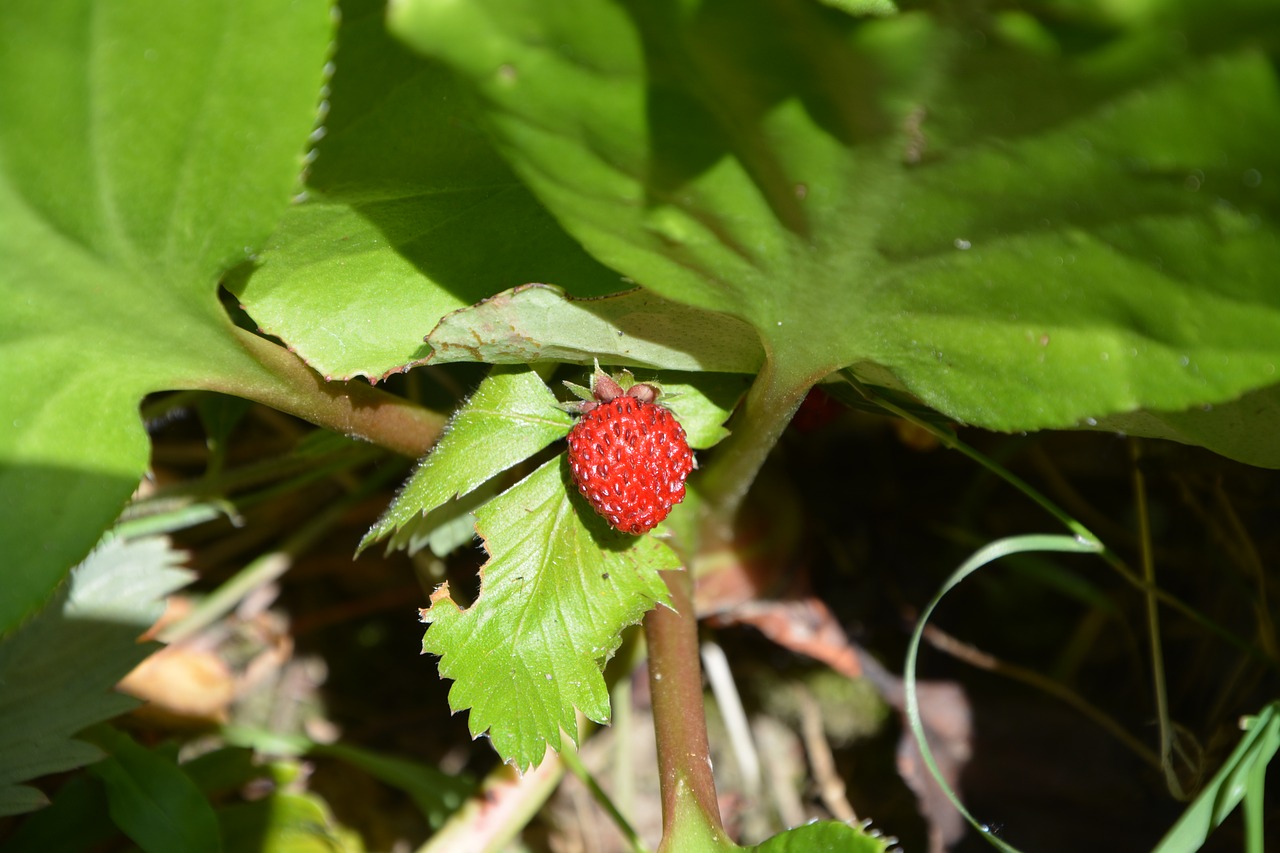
{"points": [[444, 529], [538, 322], [152, 800], [150, 148], [511, 416], [1231, 429], [411, 215], [556, 592], [825, 837], [1156, 296], [1024, 231], [58, 669]]}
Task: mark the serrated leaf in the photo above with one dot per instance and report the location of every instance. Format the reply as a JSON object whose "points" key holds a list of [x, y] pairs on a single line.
{"points": [[411, 215], [511, 416], [636, 328], [58, 668], [1026, 233], [150, 147], [152, 800], [556, 592], [445, 528]]}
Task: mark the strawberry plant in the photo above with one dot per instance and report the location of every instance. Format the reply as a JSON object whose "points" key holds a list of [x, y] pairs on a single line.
{"points": [[420, 228]]}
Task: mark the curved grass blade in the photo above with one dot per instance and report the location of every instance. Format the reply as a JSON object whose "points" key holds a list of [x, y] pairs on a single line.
{"points": [[983, 556]]}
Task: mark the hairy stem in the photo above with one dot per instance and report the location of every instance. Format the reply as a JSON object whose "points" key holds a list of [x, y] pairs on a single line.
{"points": [[352, 408], [675, 682], [756, 428]]}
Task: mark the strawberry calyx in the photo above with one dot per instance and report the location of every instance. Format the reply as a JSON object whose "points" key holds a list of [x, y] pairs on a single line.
{"points": [[605, 388]]}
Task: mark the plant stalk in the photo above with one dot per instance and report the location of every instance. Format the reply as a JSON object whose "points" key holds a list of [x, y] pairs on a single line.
{"points": [[352, 408], [680, 723], [1159, 687], [765, 413]]}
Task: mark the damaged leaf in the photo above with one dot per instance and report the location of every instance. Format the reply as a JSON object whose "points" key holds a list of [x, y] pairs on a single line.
{"points": [[636, 328]]}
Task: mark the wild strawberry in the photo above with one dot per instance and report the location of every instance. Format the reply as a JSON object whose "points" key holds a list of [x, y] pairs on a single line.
{"points": [[629, 455]]}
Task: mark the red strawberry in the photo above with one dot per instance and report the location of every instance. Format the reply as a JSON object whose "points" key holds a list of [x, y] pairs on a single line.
{"points": [[629, 456]]}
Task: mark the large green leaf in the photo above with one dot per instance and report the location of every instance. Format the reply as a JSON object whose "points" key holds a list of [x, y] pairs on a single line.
{"points": [[411, 215], [145, 148], [1027, 229]]}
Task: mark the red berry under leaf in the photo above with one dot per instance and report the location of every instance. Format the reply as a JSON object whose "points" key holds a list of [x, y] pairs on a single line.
{"points": [[629, 457]]}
